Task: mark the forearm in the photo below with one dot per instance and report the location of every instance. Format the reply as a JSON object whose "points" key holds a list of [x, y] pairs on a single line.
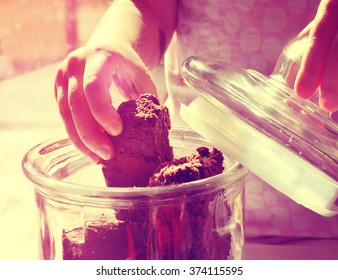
{"points": [[147, 26]]}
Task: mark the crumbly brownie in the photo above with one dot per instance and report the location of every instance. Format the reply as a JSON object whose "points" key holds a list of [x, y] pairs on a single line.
{"points": [[188, 228], [185, 228], [96, 240], [102, 240], [142, 145], [198, 166], [106, 241], [73, 243], [207, 216]]}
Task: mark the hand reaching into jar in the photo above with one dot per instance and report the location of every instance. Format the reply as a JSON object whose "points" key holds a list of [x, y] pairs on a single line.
{"points": [[127, 44], [82, 92]]}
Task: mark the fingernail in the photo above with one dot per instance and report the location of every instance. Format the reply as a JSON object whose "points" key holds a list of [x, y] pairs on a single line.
{"points": [[103, 152], [114, 129]]}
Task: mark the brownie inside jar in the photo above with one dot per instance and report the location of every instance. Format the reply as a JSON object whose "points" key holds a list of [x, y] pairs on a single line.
{"points": [[186, 228]]}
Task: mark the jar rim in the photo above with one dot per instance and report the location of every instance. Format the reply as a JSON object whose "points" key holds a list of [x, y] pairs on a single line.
{"points": [[45, 183]]}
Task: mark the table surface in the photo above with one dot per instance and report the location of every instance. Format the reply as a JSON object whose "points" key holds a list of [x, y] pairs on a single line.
{"points": [[28, 115]]}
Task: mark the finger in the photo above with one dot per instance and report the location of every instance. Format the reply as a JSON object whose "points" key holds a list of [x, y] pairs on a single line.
{"points": [[328, 94], [61, 80], [72, 131], [322, 33], [61, 95], [88, 130], [96, 81], [98, 76]]}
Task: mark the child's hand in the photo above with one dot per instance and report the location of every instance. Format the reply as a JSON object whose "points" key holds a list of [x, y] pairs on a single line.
{"points": [[319, 68], [82, 92]]}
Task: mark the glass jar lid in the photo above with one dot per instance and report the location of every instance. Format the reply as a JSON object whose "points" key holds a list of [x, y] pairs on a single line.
{"points": [[289, 142]]}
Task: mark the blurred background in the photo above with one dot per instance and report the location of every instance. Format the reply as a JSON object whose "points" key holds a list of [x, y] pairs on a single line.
{"points": [[35, 33]]}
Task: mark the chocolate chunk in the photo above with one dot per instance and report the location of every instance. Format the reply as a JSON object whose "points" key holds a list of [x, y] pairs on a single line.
{"points": [[142, 145]]}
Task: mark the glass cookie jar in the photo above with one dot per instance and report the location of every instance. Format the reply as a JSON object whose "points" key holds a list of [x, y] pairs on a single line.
{"points": [[258, 120], [81, 218]]}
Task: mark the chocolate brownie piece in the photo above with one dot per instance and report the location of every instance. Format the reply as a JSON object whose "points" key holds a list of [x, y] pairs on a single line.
{"points": [[191, 226], [137, 227], [142, 145], [73, 243], [98, 240], [106, 241], [188, 229], [207, 216], [198, 166]]}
